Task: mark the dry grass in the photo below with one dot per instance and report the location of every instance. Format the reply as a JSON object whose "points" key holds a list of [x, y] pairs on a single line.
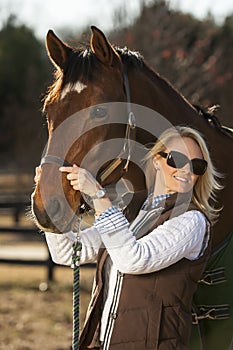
{"points": [[35, 320]]}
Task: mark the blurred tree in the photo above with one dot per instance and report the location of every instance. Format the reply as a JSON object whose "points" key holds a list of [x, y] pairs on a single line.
{"points": [[196, 56], [23, 75]]}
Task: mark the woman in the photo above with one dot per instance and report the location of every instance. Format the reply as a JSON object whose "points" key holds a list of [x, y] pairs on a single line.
{"points": [[147, 270]]}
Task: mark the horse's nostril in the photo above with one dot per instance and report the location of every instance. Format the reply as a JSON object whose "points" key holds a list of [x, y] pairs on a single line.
{"points": [[55, 206]]}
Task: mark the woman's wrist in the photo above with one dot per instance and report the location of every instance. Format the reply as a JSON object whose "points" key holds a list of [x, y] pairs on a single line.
{"points": [[101, 204]]}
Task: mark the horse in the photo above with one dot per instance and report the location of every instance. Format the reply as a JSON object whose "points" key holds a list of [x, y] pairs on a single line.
{"points": [[93, 85]]}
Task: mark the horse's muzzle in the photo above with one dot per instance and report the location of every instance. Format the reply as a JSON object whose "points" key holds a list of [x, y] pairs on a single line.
{"points": [[54, 216]]}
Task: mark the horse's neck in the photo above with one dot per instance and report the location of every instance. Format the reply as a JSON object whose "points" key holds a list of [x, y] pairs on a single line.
{"points": [[152, 91]]}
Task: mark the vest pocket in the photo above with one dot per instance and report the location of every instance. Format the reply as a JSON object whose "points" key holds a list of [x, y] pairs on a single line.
{"points": [[170, 322], [174, 329]]}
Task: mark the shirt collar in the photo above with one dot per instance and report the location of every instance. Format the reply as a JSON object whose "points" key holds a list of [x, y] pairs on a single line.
{"points": [[153, 201]]}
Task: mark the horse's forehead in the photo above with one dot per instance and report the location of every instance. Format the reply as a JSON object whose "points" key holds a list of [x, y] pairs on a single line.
{"points": [[101, 86], [78, 87]]}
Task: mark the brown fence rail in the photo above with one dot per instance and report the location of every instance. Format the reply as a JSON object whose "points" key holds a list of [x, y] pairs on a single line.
{"points": [[48, 263]]}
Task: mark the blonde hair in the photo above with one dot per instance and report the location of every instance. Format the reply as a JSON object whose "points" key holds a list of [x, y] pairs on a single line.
{"points": [[206, 186]]}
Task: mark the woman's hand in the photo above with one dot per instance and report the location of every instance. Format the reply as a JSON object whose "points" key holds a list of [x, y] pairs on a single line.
{"points": [[81, 180]]}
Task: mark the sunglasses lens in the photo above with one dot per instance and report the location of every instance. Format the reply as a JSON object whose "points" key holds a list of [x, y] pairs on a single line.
{"points": [[199, 166], [177, 160]]}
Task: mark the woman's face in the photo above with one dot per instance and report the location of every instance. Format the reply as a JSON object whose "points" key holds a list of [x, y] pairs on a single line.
{"points": [[169, 179]]}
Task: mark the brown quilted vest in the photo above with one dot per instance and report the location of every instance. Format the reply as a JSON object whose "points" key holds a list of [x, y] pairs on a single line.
{"points": [[154, 310]]}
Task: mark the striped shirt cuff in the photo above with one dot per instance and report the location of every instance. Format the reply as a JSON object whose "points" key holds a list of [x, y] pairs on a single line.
{"points": [[110, 220]]}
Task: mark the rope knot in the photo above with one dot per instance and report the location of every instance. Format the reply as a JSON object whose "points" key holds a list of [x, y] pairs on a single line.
{"points": [[77, 247]]}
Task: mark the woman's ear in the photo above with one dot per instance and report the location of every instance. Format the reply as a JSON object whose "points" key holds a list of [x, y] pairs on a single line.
{"points": [[155, 163]]}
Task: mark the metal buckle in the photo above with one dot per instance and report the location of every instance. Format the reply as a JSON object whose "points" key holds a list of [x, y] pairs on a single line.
{"points": [[213, 276], [132, 121], [211, 312], [195, 318]]}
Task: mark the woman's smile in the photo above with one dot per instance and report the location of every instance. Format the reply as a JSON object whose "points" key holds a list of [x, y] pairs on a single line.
{"points": [[182, 179]]}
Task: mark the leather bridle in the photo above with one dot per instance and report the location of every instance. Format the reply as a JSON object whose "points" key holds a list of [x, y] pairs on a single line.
{"points": [[124, 156]]}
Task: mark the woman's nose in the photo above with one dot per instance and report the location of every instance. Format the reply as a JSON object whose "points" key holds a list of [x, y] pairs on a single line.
{"points": [[187, 168]]}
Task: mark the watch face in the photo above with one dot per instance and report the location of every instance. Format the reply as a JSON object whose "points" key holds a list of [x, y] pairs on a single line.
{"points": [[100, 193]]}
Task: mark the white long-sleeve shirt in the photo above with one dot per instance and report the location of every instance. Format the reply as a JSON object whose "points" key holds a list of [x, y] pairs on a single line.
{"points": [[180, 237]]}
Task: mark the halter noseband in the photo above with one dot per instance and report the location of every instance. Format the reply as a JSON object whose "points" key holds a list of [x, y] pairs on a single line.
{"points": [[54, 160], [124, 155]]}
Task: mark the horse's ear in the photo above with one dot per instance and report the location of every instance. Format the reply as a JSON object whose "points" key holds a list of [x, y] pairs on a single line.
{"points": [[57, 50], [102, 48]]}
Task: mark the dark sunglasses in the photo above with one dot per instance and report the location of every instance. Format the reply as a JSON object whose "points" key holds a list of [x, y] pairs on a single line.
{"points": [[179, 160]]}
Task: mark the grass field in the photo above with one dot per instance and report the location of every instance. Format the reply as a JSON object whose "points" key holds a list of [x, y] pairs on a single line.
{"points": [[32, 319]]}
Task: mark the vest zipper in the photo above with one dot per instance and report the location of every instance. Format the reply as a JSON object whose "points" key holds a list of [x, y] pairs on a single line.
{"points": [[147, 216], [112, 314]]}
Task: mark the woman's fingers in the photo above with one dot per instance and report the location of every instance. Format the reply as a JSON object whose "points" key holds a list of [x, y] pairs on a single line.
{"points": [[72, 172], [69, 169], [74, 182], [80, 179], [72, 176]]}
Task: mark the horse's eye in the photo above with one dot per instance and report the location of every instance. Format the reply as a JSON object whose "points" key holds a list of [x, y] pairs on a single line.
{"points": [[98, 112]]}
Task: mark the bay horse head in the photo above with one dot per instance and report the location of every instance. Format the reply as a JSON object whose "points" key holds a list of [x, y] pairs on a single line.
{"points": [[88, 103]]}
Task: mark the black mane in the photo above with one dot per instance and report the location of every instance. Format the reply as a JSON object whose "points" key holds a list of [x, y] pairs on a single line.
{"points": [[82, 64], [131, 58], [213, 119]]}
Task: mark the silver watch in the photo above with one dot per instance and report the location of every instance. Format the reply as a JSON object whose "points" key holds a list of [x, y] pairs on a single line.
{"points": [[99, 194]]}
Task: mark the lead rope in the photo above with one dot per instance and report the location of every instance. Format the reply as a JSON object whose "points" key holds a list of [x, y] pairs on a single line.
{"points": [[77, 247]]}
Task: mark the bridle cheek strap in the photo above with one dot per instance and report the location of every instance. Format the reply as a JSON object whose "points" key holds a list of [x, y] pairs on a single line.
{"points": [[130, 135]]}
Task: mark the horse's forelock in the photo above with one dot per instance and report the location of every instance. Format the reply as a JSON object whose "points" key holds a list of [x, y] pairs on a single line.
{"points": [[81, 66]]}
